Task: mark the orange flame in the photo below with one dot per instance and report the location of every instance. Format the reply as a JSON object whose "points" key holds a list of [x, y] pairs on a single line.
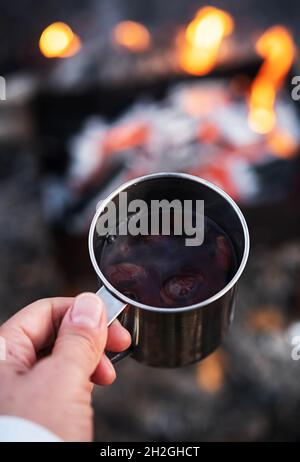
{"points": [[199, 48], [59, 41], [276, 46], [132, 35]]}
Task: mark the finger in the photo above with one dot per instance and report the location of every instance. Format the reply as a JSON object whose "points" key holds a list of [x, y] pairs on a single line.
{"points": [[118, 338], [33, 328], [81, 338], [104, 373]]}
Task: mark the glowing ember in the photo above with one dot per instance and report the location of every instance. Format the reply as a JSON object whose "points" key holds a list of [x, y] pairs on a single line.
{"points": [[132, 35], [282, 144], [125, 137], [198, 50], [267, 319], [59, 41], [210, 373], [276, 46]]}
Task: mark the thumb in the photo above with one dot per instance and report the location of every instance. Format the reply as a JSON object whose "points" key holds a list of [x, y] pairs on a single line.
{"points": [[82, 336]]}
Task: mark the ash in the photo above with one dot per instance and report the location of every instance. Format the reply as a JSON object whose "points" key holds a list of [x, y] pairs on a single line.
{"points": [[200, 128]]}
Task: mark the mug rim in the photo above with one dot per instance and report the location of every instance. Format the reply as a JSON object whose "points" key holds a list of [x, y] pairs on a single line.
{"points": [[189, 177]]}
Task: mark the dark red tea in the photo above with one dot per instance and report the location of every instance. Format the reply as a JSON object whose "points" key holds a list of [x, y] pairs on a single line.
{"points": [[162, 271]]}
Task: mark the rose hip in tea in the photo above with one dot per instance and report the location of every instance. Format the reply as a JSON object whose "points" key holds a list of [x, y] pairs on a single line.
{"points": [[162, 271]]}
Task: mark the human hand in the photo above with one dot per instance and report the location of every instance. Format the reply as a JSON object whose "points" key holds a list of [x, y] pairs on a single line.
{"points": [[54, 354]]}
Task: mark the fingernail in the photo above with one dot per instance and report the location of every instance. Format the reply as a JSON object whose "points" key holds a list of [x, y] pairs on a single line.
{"points": [[87, 310], [110, 365]]}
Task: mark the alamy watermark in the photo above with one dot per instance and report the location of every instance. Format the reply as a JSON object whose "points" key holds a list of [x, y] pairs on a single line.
{"points": [[2, 89], [138, 217], [295, 94], [295, 353]]}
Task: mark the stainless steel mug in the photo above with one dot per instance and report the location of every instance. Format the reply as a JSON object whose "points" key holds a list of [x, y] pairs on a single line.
{"points": [[173, 337]]}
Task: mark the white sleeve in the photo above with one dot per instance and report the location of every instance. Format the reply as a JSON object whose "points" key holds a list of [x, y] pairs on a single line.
{"points": [[15, 429]]}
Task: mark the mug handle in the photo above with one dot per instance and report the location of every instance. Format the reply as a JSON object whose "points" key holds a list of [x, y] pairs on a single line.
{"points": [[114, 307]]}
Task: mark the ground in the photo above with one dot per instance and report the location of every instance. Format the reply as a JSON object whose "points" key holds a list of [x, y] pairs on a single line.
{"points": [[248, 390]]}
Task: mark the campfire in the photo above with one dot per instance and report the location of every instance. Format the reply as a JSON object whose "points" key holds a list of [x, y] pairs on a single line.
{"points": [[179, 104]]}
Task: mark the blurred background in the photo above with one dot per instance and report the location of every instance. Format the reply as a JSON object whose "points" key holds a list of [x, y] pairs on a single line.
{"points": [[101, 91]]}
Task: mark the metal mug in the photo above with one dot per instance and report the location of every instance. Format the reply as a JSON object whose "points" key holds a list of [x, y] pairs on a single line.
{"points": [[173, 337]]}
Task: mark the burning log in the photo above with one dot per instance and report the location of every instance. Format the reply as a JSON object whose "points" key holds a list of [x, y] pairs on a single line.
{"points": [[183, 132]]}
